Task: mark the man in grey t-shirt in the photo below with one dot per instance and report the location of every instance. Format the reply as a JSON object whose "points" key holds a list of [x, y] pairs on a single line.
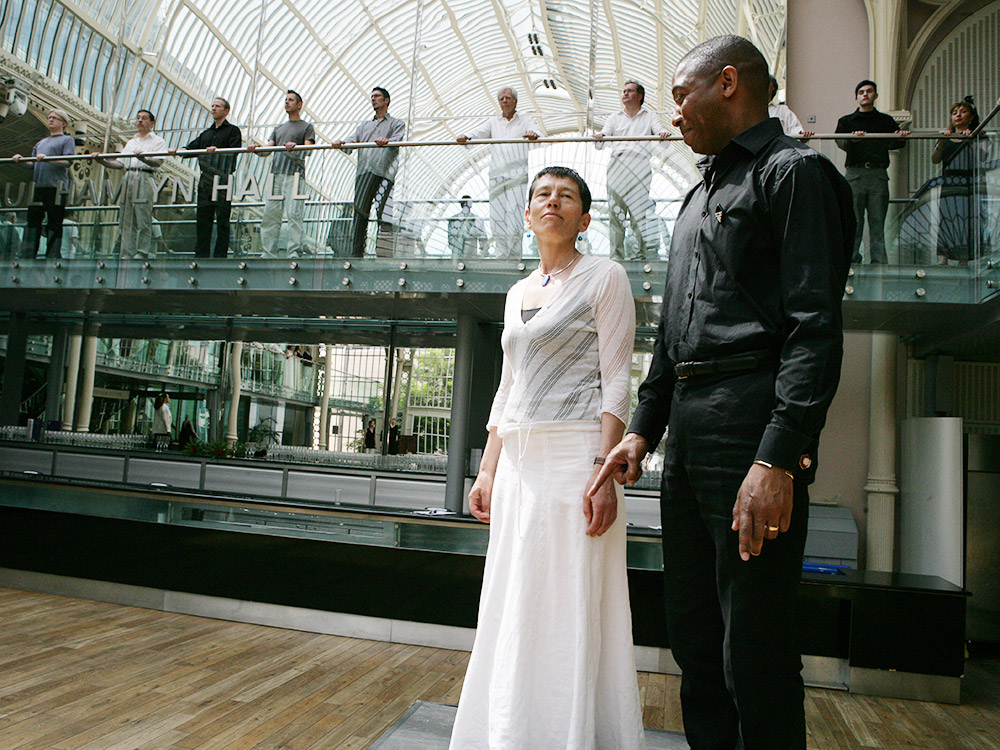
{"points": [[376, 166], [51, 179], [288, 170]]}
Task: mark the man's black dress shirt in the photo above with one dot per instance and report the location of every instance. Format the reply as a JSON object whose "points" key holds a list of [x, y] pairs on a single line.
{"points": [[225, 135], [868, 152], [758, 262]]}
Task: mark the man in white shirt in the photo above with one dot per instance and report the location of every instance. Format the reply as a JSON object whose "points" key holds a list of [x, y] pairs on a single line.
{"points": [[508, 171], [138, 190], [789, 122], [630, 176]]}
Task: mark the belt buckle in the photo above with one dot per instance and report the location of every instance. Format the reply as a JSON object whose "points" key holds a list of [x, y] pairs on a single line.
{"points": [[682, 367]]}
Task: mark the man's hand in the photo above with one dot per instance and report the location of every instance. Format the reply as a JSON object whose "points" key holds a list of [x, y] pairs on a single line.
{"points": [[663, 134], [902, 133], [381, 141], [337, 144], [480, 496], [624, 463], [210, 149], [600, 505], [462, 138], [858, 132], [807, 134], [290, 145], [251, 147], [763, 508], [531, 135], [599, 136]]}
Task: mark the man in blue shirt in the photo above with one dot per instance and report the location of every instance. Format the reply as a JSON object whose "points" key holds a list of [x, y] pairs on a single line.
{"points": [[51, 183]]}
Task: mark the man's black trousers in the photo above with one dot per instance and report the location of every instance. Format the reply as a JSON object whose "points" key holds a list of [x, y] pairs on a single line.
{"points": [[209, 212], [368, 188], [731, 623]]}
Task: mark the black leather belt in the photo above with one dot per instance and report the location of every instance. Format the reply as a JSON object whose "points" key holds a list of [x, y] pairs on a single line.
{"points": [[739, 363]]}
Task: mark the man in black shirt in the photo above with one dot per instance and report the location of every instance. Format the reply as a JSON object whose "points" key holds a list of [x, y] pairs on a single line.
{"points": [[214, 199], [867, 160], [745, 364]]}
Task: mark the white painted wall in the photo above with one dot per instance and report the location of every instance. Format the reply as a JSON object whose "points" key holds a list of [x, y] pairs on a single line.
{"points": [[843, 447]]}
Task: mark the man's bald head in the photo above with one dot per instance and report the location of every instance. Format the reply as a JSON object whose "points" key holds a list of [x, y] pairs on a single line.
{"points": [[710, 57]]}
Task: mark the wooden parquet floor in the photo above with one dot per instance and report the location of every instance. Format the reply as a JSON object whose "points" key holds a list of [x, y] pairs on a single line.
{"points": [[78, 675]]}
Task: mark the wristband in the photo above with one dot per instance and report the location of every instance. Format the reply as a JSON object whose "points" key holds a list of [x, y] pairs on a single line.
{"points": [[599, 460], [766, 465]]}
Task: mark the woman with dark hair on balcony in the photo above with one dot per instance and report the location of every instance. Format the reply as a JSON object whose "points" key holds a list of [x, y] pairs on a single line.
{"points": [[958, 155], [553, 664]]}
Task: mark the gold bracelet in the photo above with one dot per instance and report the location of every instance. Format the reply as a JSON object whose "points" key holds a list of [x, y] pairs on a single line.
{"points": [[766, 465]]}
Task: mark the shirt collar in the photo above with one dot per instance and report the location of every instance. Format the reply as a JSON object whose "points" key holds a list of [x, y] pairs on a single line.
{"points": [[756, 137], [753, 140]]}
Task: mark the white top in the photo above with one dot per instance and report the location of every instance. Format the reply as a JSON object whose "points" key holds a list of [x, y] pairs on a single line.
{"points": [[150, 144], [506, 158], [162, 420], [789, 122], [573, 359], [620, 124]]}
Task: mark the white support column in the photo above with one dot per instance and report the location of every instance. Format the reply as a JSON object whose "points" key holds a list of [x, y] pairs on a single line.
{"points": [[87, 384], [72, 374], [324, 404], [881, 484], [236, 381]]}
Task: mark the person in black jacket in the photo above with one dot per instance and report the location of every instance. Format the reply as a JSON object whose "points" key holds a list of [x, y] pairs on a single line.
{"points": [[745, 364], [214, 199], [867, 160]]}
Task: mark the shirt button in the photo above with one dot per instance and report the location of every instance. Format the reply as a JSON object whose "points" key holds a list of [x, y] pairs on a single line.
{"points": [[689, 295], [704, 214]]}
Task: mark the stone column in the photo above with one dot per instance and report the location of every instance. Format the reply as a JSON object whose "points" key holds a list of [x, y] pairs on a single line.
{"points": [[72, 376], [87, 367], [324, 404], [236, 383], [881, 484]]}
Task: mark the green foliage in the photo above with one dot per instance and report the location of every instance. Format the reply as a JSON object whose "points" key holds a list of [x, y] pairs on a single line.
{"points": [[263, 433]]}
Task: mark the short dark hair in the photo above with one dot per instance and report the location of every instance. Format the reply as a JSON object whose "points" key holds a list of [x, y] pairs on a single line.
{"points": [[225, 101], [772, 86], [383, 92], [298, 96], [639, 88], [865, 82], [572, 174], [152, 117], [711, 56]]}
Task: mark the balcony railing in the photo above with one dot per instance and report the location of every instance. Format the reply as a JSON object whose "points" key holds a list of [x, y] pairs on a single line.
{"points": [[314, 240]]}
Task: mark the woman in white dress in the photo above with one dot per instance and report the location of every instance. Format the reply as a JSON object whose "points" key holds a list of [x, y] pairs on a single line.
{"points": [[553, 664]]}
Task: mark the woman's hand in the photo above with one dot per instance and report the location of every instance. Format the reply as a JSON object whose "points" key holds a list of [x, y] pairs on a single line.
{"points": [[600, 505], [480, 496]]}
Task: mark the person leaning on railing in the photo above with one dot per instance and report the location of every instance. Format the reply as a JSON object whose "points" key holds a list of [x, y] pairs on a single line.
{"points": [[139, 186], [50, 175], [958, 158]]}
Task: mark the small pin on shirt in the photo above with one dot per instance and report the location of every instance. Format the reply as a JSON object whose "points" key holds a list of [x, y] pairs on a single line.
{"points": [[718, 213]]}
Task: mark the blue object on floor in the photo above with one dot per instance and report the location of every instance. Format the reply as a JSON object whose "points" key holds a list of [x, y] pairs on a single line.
{"points": [[828, 568]]}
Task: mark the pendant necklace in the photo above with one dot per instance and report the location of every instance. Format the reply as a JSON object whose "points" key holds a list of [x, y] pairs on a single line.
{"points": [[547, 277]]}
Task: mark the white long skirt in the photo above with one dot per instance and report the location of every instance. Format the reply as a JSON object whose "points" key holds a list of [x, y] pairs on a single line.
{"points": [[552, 666]]}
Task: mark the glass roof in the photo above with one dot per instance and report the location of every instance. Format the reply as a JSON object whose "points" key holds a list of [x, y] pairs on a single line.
{"points": [[443, 62]]}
